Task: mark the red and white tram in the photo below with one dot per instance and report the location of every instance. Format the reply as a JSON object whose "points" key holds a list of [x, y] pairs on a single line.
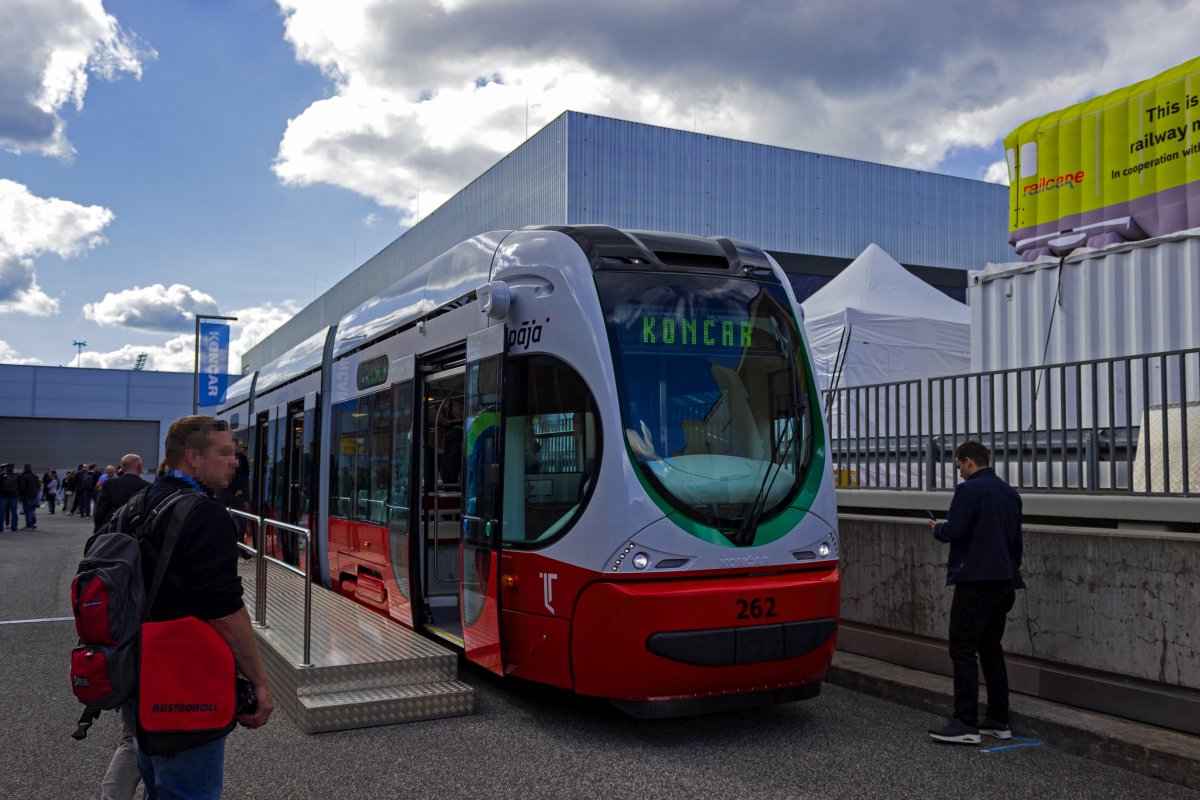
{"points": [[587, 457]]}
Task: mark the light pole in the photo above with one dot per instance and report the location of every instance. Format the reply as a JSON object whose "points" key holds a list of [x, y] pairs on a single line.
{"points": [[196, 368], [79, 345]]}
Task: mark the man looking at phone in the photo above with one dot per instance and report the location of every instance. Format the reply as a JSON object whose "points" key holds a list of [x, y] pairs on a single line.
{"points": [[983, 528]]}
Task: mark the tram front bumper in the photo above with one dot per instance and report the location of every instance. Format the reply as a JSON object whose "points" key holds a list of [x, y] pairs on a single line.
{"points": [[651, 640]]}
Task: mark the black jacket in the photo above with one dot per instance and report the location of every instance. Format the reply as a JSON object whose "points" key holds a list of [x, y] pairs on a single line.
{"points": [[984, 531], [30, 485], [10, 484], [114, 493], [202, 579]]}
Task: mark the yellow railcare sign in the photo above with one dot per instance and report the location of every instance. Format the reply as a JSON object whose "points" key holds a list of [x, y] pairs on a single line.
{"points": [[1119, 167]]}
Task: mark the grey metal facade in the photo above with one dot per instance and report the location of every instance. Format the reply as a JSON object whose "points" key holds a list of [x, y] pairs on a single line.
{"points": [[68, 415], [583, 169], [1129, 299]]}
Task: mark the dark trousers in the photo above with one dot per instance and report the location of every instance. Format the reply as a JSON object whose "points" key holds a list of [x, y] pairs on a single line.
{"points": [[10, 507], [977, 617]]}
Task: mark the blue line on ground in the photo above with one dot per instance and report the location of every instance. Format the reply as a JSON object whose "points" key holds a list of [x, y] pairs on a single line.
{"points": [[1021, 742]]}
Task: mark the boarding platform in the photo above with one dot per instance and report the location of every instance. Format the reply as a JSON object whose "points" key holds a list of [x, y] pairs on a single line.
{"points": [[365, 670]]}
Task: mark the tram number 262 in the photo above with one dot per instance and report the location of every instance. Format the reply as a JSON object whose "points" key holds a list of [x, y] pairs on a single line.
{"points": [[756, 608]]}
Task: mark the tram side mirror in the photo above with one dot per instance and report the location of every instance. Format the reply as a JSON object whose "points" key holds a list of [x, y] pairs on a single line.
{"points": [[494, 299]]}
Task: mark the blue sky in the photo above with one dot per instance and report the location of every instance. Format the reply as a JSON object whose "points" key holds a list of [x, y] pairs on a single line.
{"points": [[241, 157]]}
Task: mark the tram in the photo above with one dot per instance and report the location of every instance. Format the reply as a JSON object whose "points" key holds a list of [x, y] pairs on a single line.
{"points": [[586, 457]]}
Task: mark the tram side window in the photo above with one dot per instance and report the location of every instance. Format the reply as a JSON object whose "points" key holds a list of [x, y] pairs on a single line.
{"points": [[373, 506], [349, 441], [551, 449], [362, 441]]}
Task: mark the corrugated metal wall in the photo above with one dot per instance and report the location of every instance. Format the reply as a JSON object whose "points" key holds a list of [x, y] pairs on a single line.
{"points": [[63, 443], [80, 409], [639, 176], [582, 169], [1137, 298]]}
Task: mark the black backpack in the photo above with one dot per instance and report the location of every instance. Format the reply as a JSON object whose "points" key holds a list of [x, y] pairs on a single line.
{"points": [[110, 601], [85, 481]]}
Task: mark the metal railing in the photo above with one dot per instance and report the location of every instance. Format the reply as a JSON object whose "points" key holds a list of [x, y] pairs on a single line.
{"points": [[261, 526], [1126, 425]]}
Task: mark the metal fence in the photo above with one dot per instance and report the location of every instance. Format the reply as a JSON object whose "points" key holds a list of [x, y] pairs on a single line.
{"points": [[1119, 425]]}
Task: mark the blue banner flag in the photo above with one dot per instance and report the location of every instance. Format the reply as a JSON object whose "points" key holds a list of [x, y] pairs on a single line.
{"points": [[214, 364]]}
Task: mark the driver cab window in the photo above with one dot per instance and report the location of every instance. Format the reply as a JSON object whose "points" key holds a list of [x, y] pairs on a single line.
{"points": [[551, 449]]}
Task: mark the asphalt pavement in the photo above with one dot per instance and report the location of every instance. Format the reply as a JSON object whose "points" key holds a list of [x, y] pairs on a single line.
{"points": [[523, 741]]}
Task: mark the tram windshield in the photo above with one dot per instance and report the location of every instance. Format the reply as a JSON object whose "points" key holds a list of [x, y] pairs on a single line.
{"points": [[714, 399]]}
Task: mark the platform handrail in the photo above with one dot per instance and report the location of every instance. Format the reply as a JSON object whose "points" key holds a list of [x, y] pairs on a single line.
{"points": [[261, 559], [260, 584]]}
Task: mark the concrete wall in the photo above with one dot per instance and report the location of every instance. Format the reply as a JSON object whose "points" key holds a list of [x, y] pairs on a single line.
{"points": [[1121, 601]]}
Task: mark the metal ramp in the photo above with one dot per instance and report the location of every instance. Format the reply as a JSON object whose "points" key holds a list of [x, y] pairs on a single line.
{"points": [[366, 669]]}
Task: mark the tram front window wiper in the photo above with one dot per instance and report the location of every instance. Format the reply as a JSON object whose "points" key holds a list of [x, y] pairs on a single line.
{"points": [[749, 527]]}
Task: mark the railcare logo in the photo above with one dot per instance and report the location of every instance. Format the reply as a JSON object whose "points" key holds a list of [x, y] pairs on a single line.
{"points": [[1068, 181], [529, 332]]}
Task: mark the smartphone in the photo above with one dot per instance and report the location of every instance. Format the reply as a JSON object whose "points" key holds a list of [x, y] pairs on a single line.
{"points": [[931, 516]]}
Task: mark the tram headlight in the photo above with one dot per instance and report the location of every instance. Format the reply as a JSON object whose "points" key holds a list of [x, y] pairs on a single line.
{"points": [[824, 550], [641, 561]]}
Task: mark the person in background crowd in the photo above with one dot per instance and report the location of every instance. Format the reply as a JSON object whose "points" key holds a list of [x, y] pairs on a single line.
{"points": [[52, 490], [10, 493], [983, 528], [29, 487], [110, 472], [85, 486], [74, 487], [116, 492], [45, 483]]}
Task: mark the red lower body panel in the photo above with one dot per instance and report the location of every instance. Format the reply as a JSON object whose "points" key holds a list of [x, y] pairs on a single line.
{"points": [[614, 620]]}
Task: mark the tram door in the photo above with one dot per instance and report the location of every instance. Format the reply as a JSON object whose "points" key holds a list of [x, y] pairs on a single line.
{"points": [[260, 463], [441, 467], [293, 476], [482, 492]]}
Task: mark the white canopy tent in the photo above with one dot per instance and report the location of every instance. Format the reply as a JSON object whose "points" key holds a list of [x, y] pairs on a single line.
{"points": [[877, 323]]}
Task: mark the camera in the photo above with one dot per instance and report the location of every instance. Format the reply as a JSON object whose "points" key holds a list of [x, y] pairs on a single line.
{"points": [[247, 703]]}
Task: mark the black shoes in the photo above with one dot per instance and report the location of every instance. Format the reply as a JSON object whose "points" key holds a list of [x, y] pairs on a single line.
{"points": [[955, 732], [1000, 730]]}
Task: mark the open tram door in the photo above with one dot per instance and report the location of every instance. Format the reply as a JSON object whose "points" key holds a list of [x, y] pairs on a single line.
{"points": [[482, 493]]}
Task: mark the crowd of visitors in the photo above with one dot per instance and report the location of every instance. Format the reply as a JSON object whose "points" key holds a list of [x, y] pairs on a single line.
{"points": [[80, 491]]}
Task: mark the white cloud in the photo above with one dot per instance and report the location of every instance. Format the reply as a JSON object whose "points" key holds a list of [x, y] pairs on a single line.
{"points": [[427, 94], [32, 226], [152, 308], [48, 48], [996, 172], [10, 356], [177, 354]]}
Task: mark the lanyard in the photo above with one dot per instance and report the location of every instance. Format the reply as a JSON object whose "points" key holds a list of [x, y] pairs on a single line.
{"points": [[188, 479]]}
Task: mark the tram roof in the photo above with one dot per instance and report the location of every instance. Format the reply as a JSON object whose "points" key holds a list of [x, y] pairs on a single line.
{"points": [[303, 358], [451, 276], [238, 392]]}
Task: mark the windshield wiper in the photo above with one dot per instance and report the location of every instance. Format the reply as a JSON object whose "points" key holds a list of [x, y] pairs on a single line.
{"points": [[749, 527]]}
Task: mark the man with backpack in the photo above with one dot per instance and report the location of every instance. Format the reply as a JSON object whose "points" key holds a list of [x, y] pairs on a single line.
{"points": [[201, 580]]}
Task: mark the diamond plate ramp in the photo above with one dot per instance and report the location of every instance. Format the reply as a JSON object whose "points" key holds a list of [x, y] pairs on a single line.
{"points": [[366, 671]]}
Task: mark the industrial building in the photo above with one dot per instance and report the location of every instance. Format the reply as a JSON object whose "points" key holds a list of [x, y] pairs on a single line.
{"points": [[58, 417], [815, 213]]}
